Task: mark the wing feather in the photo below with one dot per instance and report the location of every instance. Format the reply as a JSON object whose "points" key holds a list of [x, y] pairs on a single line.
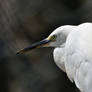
{"points": [[78, 63]]}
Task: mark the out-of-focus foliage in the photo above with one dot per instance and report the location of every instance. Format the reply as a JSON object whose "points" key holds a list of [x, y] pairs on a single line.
{"points": [[23, 22]]}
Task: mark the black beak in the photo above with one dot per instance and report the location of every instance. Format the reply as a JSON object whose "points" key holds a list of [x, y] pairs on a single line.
{"points": [[33, 46]]}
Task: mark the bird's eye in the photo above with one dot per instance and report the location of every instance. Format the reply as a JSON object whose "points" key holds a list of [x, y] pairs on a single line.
{"points": [[53, 38]]}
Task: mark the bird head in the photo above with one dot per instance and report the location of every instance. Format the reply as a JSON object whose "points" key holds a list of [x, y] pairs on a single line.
{"points": [[56, 39]]}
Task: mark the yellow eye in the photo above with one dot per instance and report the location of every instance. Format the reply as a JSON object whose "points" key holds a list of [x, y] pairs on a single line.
{"points": [[53, 38]]}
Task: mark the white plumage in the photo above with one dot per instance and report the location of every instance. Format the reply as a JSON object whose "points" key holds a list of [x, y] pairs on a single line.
{"points": [[79, 57], [76, 56], [72, 53]]}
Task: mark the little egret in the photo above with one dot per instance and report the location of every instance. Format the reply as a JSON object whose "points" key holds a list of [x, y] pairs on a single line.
{"points": [[72, 53]]}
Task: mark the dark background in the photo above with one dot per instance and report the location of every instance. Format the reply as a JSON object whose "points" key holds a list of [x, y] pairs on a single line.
{"points": [[23, 22]]}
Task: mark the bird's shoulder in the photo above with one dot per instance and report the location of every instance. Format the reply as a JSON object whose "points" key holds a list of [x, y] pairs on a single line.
{"points": [[78, 49], [80, 39]]}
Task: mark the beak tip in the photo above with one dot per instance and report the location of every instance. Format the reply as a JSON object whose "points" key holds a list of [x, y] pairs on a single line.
{"points": [[19, 52]]}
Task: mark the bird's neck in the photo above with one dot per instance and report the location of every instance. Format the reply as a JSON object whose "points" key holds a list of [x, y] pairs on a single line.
{"points": [[62, 46], [59, 58]]}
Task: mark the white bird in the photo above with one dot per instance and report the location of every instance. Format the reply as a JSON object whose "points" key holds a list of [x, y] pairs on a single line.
{"points": [[72, 53]]}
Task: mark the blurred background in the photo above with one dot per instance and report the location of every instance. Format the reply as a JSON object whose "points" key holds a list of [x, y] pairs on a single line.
{"points": [[23, 22]]}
